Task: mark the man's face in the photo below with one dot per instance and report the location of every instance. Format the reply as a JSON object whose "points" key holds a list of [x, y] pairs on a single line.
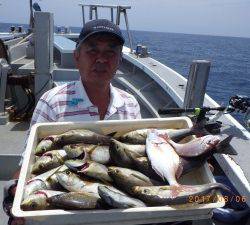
{"points": [[98, 58]]}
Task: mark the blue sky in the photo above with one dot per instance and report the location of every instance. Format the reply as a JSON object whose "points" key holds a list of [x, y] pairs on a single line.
{"points": [[214, 17]]}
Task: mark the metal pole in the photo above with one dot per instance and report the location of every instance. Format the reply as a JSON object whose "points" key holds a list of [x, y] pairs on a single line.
{"points": [[112, 15], [96, 15], [83, 16], [90, 13], [129, 34], [118, 9], [197, 82], [31, 15]]}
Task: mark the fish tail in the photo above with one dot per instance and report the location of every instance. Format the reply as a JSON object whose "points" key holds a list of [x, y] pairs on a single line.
{"points": [[222, 187], [224, 146]]}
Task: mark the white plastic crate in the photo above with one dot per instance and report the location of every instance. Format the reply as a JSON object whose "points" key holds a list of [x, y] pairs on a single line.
{"points": [[114, 216]]}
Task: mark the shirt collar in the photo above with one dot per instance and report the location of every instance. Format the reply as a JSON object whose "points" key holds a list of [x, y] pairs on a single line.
{"points": [[116, 99]]}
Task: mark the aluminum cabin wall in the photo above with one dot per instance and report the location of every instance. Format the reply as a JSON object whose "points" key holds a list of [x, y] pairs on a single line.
{"points": [[44, 39]]}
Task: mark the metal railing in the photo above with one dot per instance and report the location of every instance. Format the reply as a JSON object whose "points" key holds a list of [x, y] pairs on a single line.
{"points": [[119, 10]]}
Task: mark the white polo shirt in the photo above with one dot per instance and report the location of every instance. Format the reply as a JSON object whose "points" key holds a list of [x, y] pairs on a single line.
{"points": [[70, 102]]}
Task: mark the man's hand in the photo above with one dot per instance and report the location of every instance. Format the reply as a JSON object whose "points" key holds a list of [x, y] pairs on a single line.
{"points": [[9, 194]]}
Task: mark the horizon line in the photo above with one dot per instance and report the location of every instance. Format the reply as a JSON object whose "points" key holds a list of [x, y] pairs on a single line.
{"points": [[171, 32]]}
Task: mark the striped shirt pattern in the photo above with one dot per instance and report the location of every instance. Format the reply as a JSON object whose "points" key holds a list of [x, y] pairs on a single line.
{"points": [[70, 102]]}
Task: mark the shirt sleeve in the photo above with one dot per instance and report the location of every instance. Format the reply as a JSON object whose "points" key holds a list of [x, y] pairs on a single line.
{"points": [[43, 113]]}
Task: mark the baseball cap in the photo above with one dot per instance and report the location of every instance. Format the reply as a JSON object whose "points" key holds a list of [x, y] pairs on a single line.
{"points": [[97, 27]]}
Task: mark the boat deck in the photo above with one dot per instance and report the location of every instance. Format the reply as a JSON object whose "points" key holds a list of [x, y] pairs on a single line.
{"points": [[13, 137], [155, 86]]}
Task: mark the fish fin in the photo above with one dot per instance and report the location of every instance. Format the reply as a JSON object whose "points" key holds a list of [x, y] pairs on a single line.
{"points": [[131, 154], [105, 182], [138, 177], [224, 146], [179, 171], [112, 134], [44, 176], [159, 173]]}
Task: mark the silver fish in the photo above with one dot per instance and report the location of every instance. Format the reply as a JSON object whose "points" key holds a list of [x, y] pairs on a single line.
{"points": [[135, 137], [139, 136], [46, 144], [163, 158], [125, 178], [38, 200], [78, 150], [100, 154], [82, 136], [171, 195], [74, 183], [48, 161], [118, 199], [74, 164], [39, 182], [52, 182], [75, 200], [120, 153], [32, 186], [91, 169], [95, 153]]}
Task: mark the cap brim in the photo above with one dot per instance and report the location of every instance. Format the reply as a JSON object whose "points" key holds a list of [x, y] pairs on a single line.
{"points": [[119, 38]]}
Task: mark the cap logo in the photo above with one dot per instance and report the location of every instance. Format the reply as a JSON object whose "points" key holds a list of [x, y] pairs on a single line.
{"points": [[103, 27]]}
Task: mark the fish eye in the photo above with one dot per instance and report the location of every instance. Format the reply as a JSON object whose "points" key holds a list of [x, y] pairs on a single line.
{"points": [[33, 205], [67, 172], [145, 191], [117, 171]]}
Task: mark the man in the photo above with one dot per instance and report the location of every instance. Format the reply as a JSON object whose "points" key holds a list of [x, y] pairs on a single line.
{"points": [[97, 56]]}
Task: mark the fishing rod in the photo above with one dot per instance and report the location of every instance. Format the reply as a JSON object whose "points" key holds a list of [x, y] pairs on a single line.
{"points": [[198, 111], [237, 103]]}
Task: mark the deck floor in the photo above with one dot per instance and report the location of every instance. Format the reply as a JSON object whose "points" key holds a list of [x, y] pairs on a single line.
{"points": [[12, 137]]}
